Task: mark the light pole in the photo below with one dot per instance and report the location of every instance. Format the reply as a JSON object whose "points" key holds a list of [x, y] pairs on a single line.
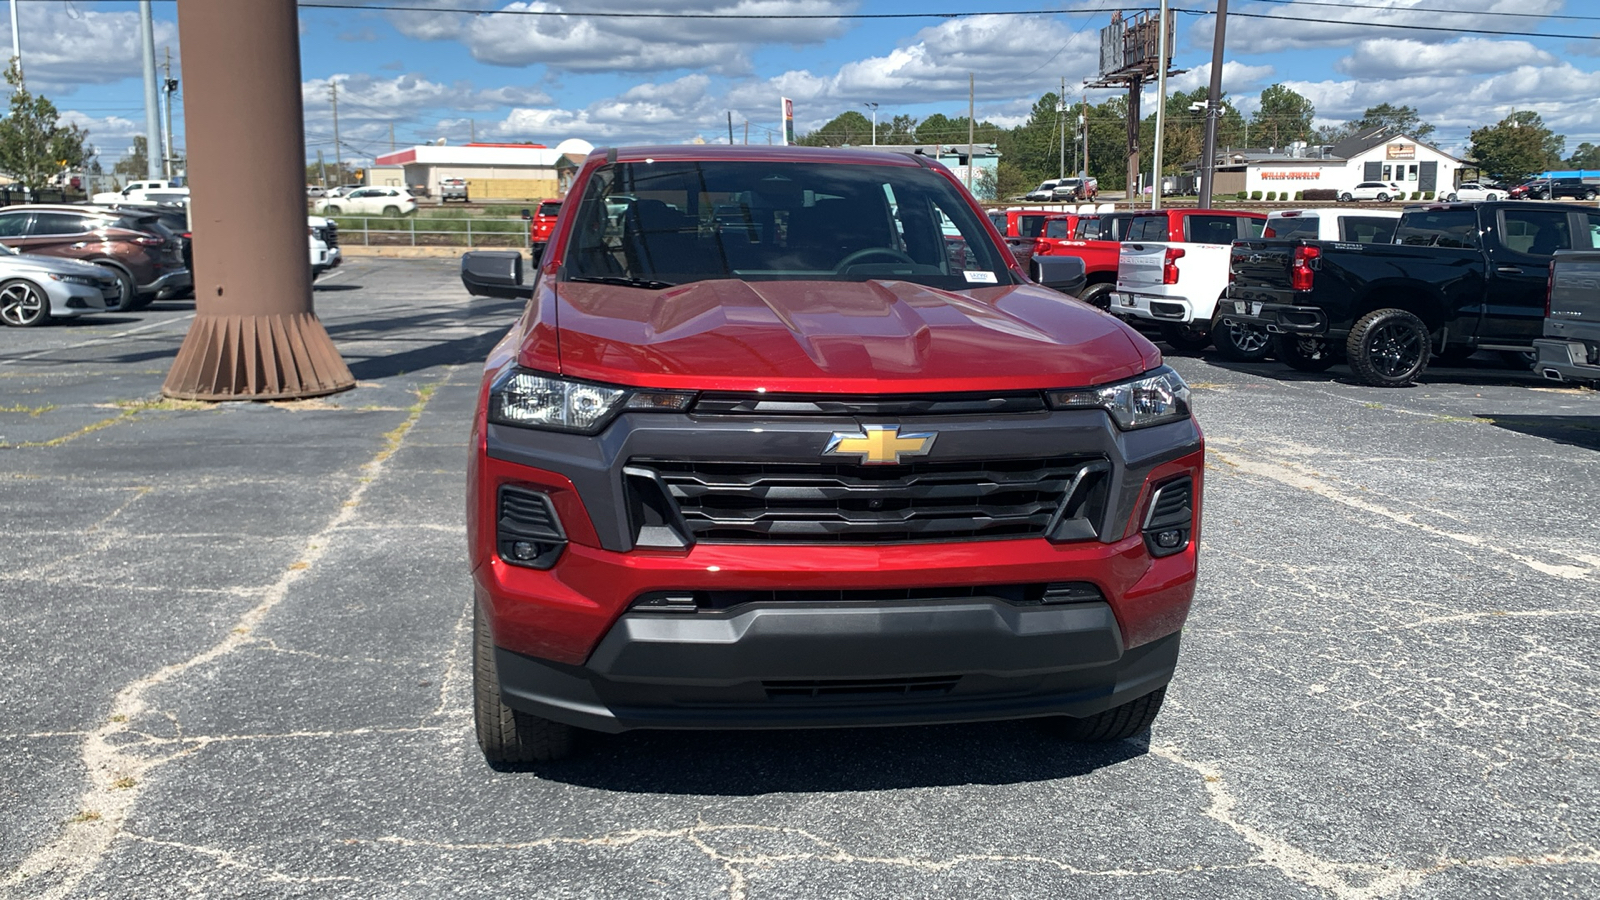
{"points": [[874, 108]]}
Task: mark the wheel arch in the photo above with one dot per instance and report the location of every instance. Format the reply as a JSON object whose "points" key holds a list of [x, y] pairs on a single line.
{"points": [[1421, 300]]}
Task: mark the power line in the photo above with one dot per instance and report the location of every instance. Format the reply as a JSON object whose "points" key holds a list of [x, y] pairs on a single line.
{"points": [[1433, 9]]}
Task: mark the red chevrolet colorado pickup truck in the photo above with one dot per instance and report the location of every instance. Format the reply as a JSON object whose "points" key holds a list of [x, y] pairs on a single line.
{"points": [[762, 452]]}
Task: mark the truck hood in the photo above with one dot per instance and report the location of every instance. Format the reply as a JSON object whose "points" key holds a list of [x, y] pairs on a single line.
{"points": [[836, 337]]}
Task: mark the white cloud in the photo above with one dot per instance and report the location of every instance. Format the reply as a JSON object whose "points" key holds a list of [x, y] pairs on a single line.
{"points": [[1390, 58], [1338, 27], [65, 46]]}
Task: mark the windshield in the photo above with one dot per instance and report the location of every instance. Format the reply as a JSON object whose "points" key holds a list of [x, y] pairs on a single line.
{"points": [[655, 224]]}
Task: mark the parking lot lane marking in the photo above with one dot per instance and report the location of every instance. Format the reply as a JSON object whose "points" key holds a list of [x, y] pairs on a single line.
{"points": [[116, 769], [226, 860], [95, 342], [1294, 476], [1376, 880]]}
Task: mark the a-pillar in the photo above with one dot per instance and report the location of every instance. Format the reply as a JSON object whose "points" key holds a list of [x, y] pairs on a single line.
{"points": [[255, 334]]}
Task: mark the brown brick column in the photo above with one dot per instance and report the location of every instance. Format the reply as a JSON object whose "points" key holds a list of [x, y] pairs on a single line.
{"points": [[255, 335]]}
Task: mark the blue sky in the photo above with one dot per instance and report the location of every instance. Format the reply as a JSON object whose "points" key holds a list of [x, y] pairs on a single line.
{"points": [[432, 74]]}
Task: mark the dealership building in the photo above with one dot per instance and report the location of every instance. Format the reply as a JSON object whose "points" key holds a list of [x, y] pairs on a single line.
{"points": [[492, 171], [1377, 155]]}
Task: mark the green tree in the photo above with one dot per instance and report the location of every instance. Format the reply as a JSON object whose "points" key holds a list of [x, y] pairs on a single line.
{"points": [[136, 164], [1401, 119], [34, 145], [1586, 157], [846, 128], [1516, 147], [898, 130], [1284, 116]]}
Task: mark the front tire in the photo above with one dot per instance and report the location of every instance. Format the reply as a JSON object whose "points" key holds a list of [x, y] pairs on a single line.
{"points": [[1590, 195], [505, 735], [1345, 198], [1303, 353], [1098, 295], [391, 210], [1388, 348], [331, 210], [23, 305], [1186, 336], [1450, 199], [1119, 722], [1241, 343], [1491, 197]]}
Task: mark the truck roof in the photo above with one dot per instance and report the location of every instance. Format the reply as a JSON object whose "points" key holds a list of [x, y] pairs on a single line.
{"points": [[689, 152]]}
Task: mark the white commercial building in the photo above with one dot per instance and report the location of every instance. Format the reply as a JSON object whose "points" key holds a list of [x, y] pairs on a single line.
{"points": [[492, 171], [1378, 155]]}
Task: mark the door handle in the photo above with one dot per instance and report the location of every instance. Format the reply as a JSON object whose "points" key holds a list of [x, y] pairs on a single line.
{"points": [[1508, 270], [80, 245]]}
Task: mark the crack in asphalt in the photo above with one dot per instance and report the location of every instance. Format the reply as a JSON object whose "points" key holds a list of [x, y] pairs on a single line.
{"points": [[116, 776]]}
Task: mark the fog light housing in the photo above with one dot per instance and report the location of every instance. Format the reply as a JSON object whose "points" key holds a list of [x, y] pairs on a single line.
{"points": [[1170, 539], [1169, 522], [528, 533]]}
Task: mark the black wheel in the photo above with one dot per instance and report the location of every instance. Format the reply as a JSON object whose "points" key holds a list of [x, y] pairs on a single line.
{"points": [[23, 305], [1241, 343], [1388, 348], [1186, 336], [1450, 199], [1098, 295], [128, 299], [1383, 198], [1491, 197], [506, 735], [1590, 194], [1303, 353], [1345, 198], [1119, 722], [1542, 195]]}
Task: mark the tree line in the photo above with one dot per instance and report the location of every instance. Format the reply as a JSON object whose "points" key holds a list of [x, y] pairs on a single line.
{"points": [[1508, 151]]}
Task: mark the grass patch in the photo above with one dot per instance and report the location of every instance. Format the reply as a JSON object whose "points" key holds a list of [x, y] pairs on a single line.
{"points": [[34, 411]]}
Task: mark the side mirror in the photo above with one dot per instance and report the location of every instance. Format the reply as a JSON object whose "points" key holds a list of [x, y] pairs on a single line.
{"points": [[494, 273], [538, 254], [1063, 273], [526, 214]]}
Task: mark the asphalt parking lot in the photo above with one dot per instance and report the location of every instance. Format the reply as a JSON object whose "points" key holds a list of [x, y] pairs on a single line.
{"points": [[234, 659]]}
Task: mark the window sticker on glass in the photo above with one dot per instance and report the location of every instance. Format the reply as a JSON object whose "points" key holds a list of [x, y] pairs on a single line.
{"points": [[975, 277]]}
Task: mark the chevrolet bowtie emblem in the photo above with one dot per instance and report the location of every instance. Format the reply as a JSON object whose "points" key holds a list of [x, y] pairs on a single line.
{"points": [[880, 444]]}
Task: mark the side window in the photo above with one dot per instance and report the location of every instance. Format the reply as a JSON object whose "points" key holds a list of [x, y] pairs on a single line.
{"points": [[1456, 228], [1088, 230], [58, 223], [1536, 232], [1367, 230], [1212, 229], [1250, 228], [13, 224], [1056, 228], [1593, 221], [1030, 226]]}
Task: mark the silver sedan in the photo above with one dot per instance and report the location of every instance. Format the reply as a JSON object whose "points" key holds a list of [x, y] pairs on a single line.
{"points": [[35, 289]]}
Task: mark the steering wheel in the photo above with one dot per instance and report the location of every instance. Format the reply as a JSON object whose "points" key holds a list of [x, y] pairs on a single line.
{"points": [[868, 252]]}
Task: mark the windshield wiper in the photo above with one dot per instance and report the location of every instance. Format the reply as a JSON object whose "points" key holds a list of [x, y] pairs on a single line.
{"points": [[624, 280]]}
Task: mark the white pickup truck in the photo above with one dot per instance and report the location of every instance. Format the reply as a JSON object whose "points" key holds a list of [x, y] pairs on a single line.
{"points": [[144, 192], [1173, 268]]}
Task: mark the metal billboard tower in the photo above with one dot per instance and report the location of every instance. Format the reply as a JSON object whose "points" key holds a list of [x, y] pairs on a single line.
{"points": [[1130, 57]]}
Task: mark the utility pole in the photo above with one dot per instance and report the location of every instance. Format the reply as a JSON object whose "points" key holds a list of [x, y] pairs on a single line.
{"points": [[1086, 135], [747, 132], [1161, 108], [730, 128], [169, 86], [391, 137], [1213, 108], [1061, 118], [473, 125], [16, 38], [972, 108], [338, 152], [323, 168], [153, 154]]}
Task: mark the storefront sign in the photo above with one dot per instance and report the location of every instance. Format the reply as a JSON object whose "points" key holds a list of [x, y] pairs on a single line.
{"points": [[1402, 151], [1293, 175]]}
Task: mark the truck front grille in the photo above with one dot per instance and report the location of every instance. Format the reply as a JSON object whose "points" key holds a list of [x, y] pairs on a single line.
{"points": [[825, 502]]}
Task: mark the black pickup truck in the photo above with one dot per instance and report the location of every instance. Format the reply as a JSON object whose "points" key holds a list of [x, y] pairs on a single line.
{"points": [[1459, 277]]}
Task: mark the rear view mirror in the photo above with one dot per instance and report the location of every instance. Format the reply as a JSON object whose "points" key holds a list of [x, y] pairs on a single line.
{"points": [[494, 273], [526, 214]]}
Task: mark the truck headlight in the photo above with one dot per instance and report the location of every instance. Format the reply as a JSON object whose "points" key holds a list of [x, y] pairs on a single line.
{"points": [[1154, 398], [528, 399]]}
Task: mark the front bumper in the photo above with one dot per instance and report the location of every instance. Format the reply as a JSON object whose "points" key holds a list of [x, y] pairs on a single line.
{"points": [[574, 645], [798, 665], [68, 300], [1560, 360]]}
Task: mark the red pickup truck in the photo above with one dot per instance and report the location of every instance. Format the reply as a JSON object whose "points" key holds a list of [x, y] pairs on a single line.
{"points": [[761, 452], [1097, 241]]}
